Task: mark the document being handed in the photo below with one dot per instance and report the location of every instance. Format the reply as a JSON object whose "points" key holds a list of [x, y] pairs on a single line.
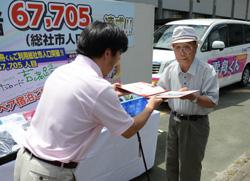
{"points": [[145, 89]]}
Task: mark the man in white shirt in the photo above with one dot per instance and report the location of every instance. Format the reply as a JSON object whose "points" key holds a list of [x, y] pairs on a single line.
{"points": [[77, 102], [188, 123]]}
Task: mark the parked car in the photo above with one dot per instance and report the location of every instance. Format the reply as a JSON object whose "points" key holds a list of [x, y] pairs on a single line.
{"points": [[223, 43]]}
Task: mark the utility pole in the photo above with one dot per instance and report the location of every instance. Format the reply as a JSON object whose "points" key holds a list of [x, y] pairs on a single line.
{"points": [[1, 24], [246, 17], [191, 3], [232, 9], [159, 12], [214, 9]]}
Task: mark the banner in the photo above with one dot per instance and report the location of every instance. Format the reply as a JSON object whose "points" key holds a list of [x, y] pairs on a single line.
{"points": [[23, 74], [38, 36], [45, 24], [226, 66]]}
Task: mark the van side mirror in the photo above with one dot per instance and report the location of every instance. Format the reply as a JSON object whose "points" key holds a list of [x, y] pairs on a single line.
{"points": [[218, 45]]}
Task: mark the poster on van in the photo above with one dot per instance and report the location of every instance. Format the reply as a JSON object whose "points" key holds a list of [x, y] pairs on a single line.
{"points": [[227, 66], [38, 36]]}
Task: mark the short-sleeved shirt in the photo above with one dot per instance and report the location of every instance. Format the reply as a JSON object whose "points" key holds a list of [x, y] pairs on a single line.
{"points": [[200, 76], [77, 102]]}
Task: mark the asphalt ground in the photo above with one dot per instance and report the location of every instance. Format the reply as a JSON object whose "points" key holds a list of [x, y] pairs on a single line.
{"points": [[229, 137]]}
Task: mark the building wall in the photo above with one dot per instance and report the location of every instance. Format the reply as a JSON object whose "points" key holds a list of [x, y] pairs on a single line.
{"points": [[153, 2], [223, 8], [202, 7], [240, 9], [182, 5]]}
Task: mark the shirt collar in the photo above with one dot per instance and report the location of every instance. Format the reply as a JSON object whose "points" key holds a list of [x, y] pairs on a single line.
{"points": [[86, 61], [192, 68]]}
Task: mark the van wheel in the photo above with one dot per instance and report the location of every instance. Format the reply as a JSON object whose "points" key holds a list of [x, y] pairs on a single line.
{"points": [[245, 76]]}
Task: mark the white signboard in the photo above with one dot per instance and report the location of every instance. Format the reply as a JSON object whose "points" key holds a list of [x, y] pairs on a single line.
{"points": [[38, 36]]}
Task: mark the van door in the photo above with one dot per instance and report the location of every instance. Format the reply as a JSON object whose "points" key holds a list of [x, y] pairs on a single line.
{"points": [[240, 51], [227, 62], [217, 57]]}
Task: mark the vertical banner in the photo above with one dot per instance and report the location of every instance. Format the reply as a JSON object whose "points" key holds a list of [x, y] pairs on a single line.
{"points": [[38, 36]]}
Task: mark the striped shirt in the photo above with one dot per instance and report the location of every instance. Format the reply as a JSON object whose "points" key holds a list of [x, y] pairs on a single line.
{"points": [[200, 76]]}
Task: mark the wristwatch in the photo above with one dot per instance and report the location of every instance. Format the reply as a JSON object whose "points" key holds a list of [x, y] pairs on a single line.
{"points": [[195, 99]]}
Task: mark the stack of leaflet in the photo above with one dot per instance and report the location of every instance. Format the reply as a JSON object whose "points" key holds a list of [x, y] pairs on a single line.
{"points": [[7, 144], [12, 130]]}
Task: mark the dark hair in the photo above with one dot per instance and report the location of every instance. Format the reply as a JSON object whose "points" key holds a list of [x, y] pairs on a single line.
{"points": [[99, 36]]}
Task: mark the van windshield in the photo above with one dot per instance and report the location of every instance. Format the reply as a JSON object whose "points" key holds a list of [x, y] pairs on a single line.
{"points": [[163, 36]]}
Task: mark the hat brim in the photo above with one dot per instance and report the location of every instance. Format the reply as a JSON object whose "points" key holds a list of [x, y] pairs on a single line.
{"points": [[184, 40]]}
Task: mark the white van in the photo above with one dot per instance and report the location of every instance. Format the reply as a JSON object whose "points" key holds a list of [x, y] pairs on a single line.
{"points": [[223, 43]]}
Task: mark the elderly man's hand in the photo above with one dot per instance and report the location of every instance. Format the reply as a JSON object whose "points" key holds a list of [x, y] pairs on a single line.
{"points": [[189, 96]]}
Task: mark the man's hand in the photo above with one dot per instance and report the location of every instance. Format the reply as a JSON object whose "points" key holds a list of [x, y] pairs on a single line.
{"points": [[153, 103], [118, 90], [190, 96], [183, 89], [141, 119]]}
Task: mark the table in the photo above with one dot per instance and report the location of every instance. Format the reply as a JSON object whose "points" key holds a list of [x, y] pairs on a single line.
{"points": [[112, 158]]}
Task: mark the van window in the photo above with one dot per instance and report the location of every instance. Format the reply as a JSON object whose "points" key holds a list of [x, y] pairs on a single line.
{"points": [[218, 33], [247, 33], [235, 34], [163, 36]]}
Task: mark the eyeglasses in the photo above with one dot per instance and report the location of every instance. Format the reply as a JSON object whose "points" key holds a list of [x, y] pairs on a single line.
{"points": [[184, 48]]}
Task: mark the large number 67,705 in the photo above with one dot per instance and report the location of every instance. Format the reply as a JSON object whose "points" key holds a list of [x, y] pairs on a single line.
{"points": [[31, 15]]}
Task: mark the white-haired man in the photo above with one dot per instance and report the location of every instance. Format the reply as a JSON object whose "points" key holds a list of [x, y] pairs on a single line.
{"points": [[188, 124]]}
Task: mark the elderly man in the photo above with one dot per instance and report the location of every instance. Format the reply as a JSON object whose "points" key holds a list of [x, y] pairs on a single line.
{"points": [[188, 124]]}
